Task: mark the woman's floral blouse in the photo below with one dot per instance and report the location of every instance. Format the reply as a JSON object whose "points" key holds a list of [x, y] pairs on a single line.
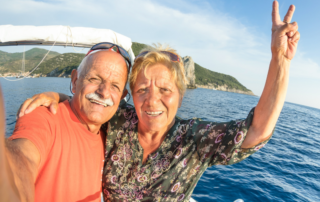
{"points": [[173, 170]]}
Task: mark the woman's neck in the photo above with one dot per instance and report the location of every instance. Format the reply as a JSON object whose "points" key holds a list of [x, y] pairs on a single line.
{"points": [[150, 141]]}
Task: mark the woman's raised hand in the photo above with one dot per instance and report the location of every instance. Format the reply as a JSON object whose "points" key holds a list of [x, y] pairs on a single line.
{"points": [[285, 35], [47, 99]]}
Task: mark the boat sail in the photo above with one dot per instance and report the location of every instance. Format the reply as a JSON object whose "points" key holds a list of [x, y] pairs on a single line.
{"points": [[60, 35]]}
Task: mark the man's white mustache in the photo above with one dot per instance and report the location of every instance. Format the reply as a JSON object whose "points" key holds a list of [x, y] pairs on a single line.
{"points": [[96, 98]]}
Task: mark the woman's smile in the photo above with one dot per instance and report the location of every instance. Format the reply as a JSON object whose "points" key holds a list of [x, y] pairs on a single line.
{"points": [[154, 113]]}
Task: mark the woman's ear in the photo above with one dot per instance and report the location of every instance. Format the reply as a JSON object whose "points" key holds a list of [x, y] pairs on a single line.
{"points": [[74, 78]]}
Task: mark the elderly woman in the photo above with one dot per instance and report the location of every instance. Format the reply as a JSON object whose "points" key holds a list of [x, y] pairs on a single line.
{"points": [[152, 155]]}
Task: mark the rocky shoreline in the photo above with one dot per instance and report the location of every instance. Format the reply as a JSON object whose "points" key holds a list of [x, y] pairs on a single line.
{"points": [[191, 84], [61, 65], [225, 88]]}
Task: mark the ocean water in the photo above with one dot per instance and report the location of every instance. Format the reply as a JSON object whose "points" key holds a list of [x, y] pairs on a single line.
{"points": [[286, 169]]}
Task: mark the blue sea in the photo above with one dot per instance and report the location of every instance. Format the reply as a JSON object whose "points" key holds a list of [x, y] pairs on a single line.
{"points": [[286, 169]]}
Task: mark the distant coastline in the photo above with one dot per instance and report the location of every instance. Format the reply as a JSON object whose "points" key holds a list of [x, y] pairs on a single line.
{"points": [[61, 65], [225, 88]]}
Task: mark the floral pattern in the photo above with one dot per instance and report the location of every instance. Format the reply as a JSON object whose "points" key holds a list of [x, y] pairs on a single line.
{"points": [[173, 170]]}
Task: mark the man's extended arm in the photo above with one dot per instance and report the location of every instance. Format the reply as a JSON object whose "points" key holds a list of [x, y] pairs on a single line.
{"points": [[7, 188], [23, 158], [19, 160]]}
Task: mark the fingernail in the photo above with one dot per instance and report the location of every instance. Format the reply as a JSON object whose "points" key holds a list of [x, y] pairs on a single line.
{"points": [[20, 114], [27, 111]]}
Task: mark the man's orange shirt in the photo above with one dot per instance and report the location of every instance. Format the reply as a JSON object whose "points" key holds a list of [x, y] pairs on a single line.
{"points": [[71, 157]]}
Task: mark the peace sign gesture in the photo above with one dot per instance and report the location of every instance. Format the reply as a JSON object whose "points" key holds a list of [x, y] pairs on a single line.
{"points": [[285, 35]]}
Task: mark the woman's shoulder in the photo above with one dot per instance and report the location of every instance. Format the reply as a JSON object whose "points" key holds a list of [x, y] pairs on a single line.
{"points": [[191, 122], [187, 127]]}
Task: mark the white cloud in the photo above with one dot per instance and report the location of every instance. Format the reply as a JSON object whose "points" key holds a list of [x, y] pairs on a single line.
{"points": [[304, 67]]}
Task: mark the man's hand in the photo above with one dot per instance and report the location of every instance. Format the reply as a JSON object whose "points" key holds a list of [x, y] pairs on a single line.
{"points": [[47, 99], [285, 35], [19, 160]]}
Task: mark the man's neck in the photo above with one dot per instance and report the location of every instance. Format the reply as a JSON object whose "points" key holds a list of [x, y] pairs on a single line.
{"points": [[93, 128]]}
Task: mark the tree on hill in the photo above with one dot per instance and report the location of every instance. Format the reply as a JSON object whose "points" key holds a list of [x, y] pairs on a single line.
{"points": [[60, 65], [57, 64], [205, 77], [137, 47], [12, 62]]}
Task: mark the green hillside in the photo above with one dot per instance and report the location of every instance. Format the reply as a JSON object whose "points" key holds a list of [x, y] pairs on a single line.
{"points": [[12, 62], [205, 76], [137, 47], [62, 64]]}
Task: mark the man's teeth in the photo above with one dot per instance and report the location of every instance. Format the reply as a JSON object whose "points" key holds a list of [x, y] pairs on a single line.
{"points": [[95, 101], [154, 113]]}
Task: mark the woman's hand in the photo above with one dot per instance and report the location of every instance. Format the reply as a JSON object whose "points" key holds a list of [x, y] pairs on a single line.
{"points": [[285, 35], [47, 99]]}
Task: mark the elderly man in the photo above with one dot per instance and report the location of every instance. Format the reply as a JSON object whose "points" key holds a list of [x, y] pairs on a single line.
{"points": [[60, 157]]}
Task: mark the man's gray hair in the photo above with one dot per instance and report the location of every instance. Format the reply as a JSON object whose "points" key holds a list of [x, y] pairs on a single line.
{"points": [[81, 66], [84, 63]]}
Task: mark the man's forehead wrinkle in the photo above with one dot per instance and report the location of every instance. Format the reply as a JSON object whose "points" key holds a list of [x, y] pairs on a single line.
{"points": [[107, 65], [108, 69], [108, 56]]}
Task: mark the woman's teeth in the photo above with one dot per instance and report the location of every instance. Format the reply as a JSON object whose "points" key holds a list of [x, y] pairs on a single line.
{"points": [[154, 113]]}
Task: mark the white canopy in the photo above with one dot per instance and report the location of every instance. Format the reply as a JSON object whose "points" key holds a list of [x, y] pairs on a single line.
{"points": [[61, 36]]}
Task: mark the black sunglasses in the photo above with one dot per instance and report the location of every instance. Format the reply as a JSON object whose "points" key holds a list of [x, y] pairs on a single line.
{"points": [[173, 57], [107, 45]]}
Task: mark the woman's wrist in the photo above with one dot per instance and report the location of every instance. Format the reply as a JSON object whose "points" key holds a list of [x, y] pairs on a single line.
{"points": [[280, 62]]}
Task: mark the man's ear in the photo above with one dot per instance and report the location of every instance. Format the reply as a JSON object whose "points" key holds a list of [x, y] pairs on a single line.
{"points": [[124, 94], [74, 78]]}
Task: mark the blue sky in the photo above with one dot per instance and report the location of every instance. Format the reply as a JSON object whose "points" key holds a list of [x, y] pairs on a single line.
{"points": [[230, 37]]}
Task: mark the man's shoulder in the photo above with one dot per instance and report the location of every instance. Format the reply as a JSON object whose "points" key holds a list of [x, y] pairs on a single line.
{"points": [[64, 107], [43, 115]]}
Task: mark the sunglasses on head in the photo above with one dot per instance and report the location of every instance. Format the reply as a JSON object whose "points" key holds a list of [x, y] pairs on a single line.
{"points": [[173, 57], [114, 47]]}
